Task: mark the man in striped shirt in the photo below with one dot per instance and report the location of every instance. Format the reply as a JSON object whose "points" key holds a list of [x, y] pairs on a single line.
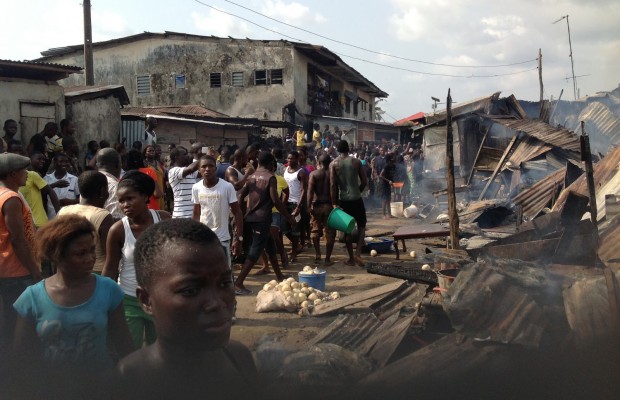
{"points": [[182, 177]]}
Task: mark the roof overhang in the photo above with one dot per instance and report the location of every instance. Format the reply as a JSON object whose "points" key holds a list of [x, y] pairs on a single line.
{"points": [[39, 71], [79, 93]]}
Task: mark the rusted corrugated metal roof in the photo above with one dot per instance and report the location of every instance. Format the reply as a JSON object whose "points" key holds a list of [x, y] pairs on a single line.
{"points": [[600, 119], [558, 137], [189, 110], [78, 92], [606, 181], [481, 104], [527, 149], [534, 199], [609, 248], [36, 70]]}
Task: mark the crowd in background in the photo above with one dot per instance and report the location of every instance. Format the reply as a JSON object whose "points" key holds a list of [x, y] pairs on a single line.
{"points": [[66, 213]]}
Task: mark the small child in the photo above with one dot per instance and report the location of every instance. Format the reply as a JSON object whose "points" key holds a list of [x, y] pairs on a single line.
{"points": [[185, 283]]}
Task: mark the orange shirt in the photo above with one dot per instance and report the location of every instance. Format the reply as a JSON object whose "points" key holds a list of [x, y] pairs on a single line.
{"points": [[10, 266], [153, 201]]}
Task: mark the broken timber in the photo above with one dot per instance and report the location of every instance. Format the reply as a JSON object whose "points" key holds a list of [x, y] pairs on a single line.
{"points": [[498, 168], [343, 302]]}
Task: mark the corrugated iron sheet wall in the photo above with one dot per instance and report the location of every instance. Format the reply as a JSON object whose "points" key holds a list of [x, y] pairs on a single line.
{"points": [[131, 131]]}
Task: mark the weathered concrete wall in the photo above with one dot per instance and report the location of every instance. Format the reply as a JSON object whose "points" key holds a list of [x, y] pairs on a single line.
{"points": [[95, 119], [32, 104], [120, 63], [163, 59]]}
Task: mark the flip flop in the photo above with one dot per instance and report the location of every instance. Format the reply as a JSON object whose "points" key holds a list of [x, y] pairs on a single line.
{"points": [[350, 264], [242, 292], [328, 263], [262, 271], [359, 261], [317, 260]]}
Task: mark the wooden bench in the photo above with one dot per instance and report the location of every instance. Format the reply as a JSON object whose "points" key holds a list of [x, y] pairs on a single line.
{"points": [[419, 231]]}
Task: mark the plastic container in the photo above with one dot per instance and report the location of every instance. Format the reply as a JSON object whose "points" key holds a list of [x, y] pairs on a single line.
{"points": [[381, 245], [445, 278], [341, 221], [316, 281], [398, 185], [396, 209]]}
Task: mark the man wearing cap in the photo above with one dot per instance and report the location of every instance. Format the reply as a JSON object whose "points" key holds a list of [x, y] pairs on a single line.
{"points": [[18, 268]]}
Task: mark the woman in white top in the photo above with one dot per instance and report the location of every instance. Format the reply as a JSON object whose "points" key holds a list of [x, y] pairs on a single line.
{"points": [[133, 194]]}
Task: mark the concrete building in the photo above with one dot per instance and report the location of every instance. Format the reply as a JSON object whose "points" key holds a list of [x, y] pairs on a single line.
{"points": [[30, 94], [238, 77], [96, 112]]}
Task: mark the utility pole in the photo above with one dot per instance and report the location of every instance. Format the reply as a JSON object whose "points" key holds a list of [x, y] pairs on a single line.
{"points": [[452, 214], [540, 79], [88, 45], [570, 46], [586, 157]]}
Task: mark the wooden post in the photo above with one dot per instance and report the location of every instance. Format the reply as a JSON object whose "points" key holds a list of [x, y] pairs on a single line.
{"points": [[540, 81], [88, 46], [452, 214], [586, 157]]}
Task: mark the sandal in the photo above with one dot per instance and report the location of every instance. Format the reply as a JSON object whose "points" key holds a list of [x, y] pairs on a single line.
{"points": [[359, 261], [242, 292], [262, 271]]}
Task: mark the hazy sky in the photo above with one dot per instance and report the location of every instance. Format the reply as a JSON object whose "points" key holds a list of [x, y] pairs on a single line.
{"points": [[465, 34]]}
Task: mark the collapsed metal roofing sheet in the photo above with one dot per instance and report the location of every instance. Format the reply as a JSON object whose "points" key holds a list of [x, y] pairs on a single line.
{"points": [[609, 248], [606, 181], [535, 198], [527, 149], [558, 137], [600, 119], [481, 104]]}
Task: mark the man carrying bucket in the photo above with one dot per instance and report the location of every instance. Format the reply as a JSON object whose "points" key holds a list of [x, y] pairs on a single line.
{"points": [[320, 205], [348, 181]]}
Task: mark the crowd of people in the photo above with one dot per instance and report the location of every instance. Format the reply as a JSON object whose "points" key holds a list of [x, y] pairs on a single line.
{"points": [[119, 264]]}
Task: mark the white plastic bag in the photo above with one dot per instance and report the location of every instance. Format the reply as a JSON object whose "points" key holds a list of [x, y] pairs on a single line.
{"points": [[273, 300]]}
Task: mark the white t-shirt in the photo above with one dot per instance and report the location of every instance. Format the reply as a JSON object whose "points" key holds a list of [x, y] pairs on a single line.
{"points": [[182, 191], [214, 205], [70, 192]]}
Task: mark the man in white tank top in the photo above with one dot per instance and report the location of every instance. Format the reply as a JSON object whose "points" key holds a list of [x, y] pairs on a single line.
{"points": [[297, 181]]}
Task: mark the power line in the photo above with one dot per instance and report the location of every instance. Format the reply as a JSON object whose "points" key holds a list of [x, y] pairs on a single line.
{"points": [[378, 52], [361, 59], [437, 73]]}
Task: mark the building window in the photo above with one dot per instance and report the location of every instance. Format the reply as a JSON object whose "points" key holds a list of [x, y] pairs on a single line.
{"points": [[179, 81], [347, 105], [276, 76], [268, 77], [215, 79], [355, 103], [260, 77], [237, 79], [143, 84]]}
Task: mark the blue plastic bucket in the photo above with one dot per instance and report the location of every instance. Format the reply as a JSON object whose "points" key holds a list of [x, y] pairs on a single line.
{"points": [[316, 281], [340, 221]]}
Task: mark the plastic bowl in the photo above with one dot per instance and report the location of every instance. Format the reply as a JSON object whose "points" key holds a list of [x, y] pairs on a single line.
{"points": [[381, 245]]}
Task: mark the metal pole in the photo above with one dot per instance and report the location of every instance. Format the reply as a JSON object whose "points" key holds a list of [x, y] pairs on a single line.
{"points": [[572, 64], [586, 157], [88, 46], [452, 214]]}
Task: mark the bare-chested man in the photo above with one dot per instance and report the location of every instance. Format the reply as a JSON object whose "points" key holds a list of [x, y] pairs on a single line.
{"points": [[348, 180], [320, 205]]}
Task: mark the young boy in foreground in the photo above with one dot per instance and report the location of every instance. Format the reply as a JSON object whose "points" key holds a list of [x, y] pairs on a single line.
{"points": [[185, 284]]}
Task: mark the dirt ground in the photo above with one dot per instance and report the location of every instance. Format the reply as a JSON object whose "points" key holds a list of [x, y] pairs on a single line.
{"points": [[293, 330]]}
